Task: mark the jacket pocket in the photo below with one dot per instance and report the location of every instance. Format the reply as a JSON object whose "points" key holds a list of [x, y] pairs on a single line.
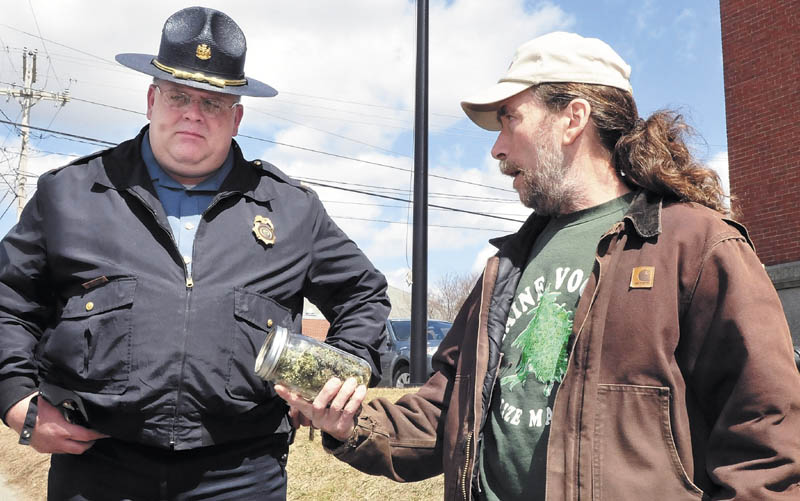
{"points": [[90, 347], [634, 454], [252, 314]]}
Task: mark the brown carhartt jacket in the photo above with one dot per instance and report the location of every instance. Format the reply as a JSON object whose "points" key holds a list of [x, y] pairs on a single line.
{"points": [[681, 383]]}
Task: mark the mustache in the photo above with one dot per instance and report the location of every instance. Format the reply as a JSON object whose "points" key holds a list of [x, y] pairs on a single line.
{"points": [[508, 167]]}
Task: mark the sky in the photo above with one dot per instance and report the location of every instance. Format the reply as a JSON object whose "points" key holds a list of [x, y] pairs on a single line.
{"points": [[345, 73]]}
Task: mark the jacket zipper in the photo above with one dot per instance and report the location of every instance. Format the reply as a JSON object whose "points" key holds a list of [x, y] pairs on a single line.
{"points": [[577, 336], [489, 403], [465, 474], [187, 314], [189, 282], [469, 472], [189, 286]]}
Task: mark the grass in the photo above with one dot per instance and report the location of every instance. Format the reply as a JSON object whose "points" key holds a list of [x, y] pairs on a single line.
{"points": [[24, 469], [313, 474]]}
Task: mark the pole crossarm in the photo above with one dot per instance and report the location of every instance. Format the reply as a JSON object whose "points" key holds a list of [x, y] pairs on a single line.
{"points": [[28, 97], [37, 95]]}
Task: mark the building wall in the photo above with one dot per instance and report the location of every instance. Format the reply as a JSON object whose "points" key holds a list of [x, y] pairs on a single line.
{"points": [[761, 51], [316, 328], [786, 278], [761, 55], [315, 325]]}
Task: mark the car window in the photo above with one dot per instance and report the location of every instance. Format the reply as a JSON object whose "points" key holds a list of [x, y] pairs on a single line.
{"points": [[437, 330], [402, 329]]}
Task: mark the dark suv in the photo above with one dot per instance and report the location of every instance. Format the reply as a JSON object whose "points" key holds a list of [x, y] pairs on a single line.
{"points": [[396, 354]]}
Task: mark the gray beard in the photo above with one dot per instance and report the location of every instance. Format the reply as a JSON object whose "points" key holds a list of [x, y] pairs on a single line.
{"points": [[549, 189]]}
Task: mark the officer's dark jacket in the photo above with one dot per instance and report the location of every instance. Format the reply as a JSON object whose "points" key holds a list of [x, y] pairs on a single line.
{"points": [[95, 298]]}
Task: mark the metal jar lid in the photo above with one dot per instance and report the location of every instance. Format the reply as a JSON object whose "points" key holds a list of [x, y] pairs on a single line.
{"points": [[271, 352]]}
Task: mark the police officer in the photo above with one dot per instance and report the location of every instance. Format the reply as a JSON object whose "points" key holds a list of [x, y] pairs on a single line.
{"points": [[141, 281]]}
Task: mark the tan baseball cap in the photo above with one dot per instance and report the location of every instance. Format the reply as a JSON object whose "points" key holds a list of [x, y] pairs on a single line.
{"points": [[554, 57]]}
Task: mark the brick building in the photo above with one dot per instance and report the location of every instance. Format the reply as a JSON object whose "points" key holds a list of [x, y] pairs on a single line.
{"points": [[761, 57], [315, 325]]}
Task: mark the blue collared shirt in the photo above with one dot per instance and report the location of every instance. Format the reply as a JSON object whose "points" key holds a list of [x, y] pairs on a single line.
{"points": [[184, 206]]}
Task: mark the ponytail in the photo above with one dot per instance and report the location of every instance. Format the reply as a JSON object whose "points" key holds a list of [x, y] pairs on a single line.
{"points": [[650, 154]]}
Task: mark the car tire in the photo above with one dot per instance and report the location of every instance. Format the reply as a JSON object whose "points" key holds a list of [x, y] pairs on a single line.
{"points": [[402, 377]]}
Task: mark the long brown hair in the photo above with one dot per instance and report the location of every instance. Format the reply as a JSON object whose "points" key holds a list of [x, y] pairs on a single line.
{"points": [[651, 154]]}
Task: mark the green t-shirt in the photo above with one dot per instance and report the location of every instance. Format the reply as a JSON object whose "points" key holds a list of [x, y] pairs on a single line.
{"points": [[534, 347]]}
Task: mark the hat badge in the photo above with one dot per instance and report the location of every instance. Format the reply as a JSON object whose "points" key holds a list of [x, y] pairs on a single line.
{"points": [[203, 52], [264, 230]]}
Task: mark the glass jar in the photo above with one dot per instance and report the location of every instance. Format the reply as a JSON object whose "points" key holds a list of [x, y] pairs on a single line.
{"points": [[304, 364]]}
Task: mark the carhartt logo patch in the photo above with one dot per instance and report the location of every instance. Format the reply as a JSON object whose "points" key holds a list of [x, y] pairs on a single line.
{"points": [[642, 277]]}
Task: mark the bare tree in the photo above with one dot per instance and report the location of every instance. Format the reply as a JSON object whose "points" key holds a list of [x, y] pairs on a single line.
{"points": [[450, 292]]}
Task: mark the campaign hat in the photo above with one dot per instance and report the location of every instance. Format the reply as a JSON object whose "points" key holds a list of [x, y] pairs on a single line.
{"points": [[202, 48]]}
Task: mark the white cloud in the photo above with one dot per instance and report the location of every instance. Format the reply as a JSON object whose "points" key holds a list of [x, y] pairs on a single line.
{"points": [[345, 73], [719, 163], [483, 255], [688, 26], [643, 14], [399, 278]]}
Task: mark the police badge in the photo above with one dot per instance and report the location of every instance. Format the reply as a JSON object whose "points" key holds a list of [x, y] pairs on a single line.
{"points": [[264, 230]]}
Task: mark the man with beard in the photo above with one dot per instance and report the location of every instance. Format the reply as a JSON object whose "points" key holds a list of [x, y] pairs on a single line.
{"points": [[626, 343]]}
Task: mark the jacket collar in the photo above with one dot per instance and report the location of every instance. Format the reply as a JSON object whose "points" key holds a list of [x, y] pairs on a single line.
{"points": [[644, 214], [124, 168]]}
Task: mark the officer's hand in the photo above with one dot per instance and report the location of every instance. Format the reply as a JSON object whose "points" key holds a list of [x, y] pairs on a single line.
{"points": [[333, 411], [297, 418], [52, 433]]}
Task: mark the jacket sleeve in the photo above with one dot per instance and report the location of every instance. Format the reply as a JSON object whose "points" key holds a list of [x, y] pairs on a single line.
{"points": [[404, 440], [744, 376], [348, 290], [25, 305]]}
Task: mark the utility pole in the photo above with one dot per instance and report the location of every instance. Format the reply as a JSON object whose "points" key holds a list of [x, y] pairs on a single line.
{"points": [[28, 97], [419, 267]]}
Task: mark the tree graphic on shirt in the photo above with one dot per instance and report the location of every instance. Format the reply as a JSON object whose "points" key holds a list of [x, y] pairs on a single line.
{"points": [[543, 344]]}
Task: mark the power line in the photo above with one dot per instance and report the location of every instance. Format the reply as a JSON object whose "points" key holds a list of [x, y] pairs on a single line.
{"points": [[109, 106], [432, 225], [409, 201], [370, 163], [59, 44], [399, 123], [322, 98], [10, 204], [330, 133], [50, 66], [371, 105], [107, 143], [90, 140], [9, 119], [470, 132], [408, 190], [28, 97], [368, 204], [46, 152], [321, 152], [2, 175]]}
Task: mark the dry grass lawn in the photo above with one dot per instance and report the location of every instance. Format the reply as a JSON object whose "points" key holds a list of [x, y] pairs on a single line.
{"points": [[313, 474]]}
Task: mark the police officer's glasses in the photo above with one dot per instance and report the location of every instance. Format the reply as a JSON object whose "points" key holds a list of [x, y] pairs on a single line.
{"points": [[180, 101]]}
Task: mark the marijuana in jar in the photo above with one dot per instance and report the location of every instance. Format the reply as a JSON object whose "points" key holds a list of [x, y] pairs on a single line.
{"points": [[304, 364]]}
